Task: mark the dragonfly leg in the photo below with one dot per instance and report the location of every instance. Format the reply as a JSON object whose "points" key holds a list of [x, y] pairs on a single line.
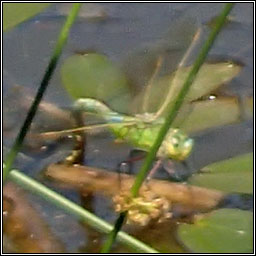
{"points": [[127, 165], [181, 174], [78, 153], [155, 168], [136, 155], [169, 168]]}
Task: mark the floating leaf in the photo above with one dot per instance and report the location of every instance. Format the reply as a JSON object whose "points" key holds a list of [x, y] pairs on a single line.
{"points": [[201, 115], [94, 75], [209, 78], [232, 175], [15, 13], [224, 231]]}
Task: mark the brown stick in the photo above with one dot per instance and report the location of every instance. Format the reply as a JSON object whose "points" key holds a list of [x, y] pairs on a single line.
{"points": [[108, 183]]}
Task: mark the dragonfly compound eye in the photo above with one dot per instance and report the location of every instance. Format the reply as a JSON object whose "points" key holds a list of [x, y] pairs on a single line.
{"points": [[179, 145]]}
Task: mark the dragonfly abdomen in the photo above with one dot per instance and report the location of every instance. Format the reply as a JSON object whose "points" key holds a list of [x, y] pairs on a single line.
{"points": [[97, 107]]}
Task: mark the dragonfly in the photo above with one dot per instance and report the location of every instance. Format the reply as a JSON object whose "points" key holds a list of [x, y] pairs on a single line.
{"points": [[141, 127], [140, 130]]}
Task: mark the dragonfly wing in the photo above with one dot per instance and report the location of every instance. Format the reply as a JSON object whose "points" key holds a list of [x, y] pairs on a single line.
{"points": [[210, 77], [140, 65], [201, 115], [155, 97]]}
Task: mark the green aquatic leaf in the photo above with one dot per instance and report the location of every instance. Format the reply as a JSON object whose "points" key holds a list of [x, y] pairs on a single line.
{"points": [[15, 13], [210, 77], [94, 75], [223, 231], [232, 175], [202, 115]]}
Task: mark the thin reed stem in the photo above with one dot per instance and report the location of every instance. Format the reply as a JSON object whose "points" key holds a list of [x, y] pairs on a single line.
{"points": [[76, 210], [174, 106], [43, 86]]}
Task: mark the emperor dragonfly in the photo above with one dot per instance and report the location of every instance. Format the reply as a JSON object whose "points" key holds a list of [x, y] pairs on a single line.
{"points": [[140, 130]]}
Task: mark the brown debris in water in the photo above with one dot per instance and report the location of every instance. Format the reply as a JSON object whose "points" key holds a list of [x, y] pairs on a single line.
{"points": [[23, 225]]}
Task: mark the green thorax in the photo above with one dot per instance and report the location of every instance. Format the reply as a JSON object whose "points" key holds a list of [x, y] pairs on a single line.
{"points": [[176, 144], [140, 135]]}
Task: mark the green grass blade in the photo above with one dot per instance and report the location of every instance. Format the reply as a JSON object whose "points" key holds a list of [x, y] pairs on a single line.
{"points": [[112, 236], [174, 107], [76, 210], [45, 81]]}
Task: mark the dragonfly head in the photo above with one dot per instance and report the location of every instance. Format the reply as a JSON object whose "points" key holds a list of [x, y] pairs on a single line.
{"points": [[178, 145]]}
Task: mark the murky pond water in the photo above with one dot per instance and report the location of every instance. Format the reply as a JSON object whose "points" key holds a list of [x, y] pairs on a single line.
{"points": [[131, 35]]}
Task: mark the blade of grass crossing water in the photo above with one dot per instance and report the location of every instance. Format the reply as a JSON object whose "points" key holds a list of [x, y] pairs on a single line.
{"points": [[45, 81], [76, 210], [179, 100]]}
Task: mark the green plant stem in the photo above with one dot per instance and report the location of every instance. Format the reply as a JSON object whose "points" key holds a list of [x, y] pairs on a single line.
{"points": [[112, 236], [76, 210], [174, 107], [45, 81]]}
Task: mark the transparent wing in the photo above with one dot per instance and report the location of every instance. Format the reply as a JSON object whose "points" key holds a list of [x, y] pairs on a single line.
{"points": [[144, 66], [201, 115], [163, 88], [210, 77]]}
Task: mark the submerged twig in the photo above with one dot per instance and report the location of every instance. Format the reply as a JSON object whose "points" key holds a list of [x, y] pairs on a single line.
{"points": [[108, 183]]}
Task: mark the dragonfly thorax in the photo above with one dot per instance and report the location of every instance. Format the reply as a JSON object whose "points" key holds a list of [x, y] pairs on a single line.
{"points": [[177, 145]]}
